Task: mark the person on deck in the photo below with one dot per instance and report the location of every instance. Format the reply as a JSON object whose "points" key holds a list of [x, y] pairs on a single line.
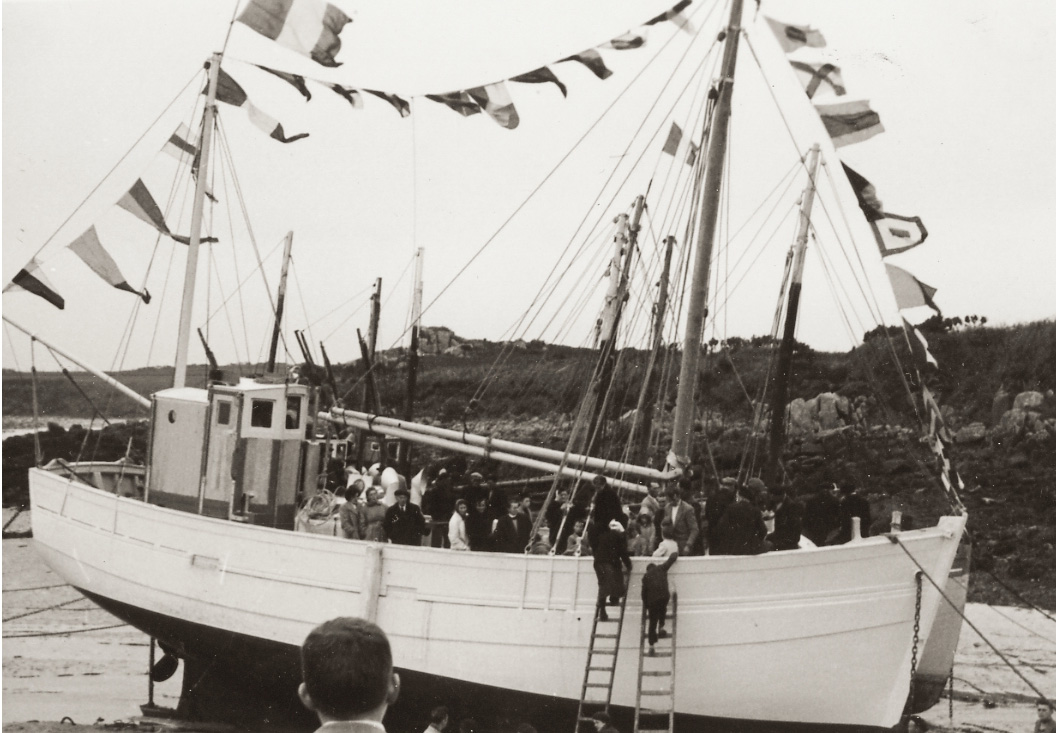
{"points": [[603, 723], [650, 503], [348, 680], [562, 515], [456, 530], [655, 595], [788, 521], [478, 526], [647, 531], [526, 507], [716, 505], [404, 521], [667, 546], [438, 720], [607, 507], [541, 541], [821, 516], [513, 531], [683, 520], [852, 505], [577, 543], [609, 552], [1044, 723], [372, 518], [349, 515], [741, 530], [439, 503]]}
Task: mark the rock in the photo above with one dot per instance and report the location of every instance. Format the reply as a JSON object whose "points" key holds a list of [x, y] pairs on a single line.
{"points": [[1012, 422], [833, 410], [1018, 460], [895, 466], [1002, 403], [801, 416], [1028, 401], [971, 433]]}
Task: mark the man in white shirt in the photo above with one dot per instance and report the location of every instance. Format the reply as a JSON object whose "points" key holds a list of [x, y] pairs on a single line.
{"points": [[348, 682]]}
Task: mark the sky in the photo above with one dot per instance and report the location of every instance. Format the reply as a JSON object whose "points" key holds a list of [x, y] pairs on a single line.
{"points": [[963, 89]]}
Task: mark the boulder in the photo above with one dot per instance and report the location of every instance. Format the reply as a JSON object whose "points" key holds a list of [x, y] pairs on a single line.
{"points": [[1012, 422], [1002, 403], [971, 433], [833, 410], [801, 416], [1028, 401]]}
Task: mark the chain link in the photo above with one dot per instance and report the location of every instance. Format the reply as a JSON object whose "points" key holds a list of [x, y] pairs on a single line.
{"points": [[916, 643]]}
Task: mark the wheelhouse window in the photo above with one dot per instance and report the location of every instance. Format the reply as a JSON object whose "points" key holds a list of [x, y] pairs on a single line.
{"points": [[293, 413], [223, 413], [260, 413]]}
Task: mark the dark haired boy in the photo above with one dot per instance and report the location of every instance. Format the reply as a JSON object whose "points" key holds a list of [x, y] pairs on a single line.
{"points": [[348, 682], [655, 595]]}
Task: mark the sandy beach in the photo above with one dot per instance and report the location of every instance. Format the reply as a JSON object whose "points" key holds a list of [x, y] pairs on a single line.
{"points": [[63, 657]]}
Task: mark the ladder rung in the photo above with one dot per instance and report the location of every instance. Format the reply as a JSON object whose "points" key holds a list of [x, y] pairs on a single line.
{"points": [[607, 651], [598, 684], [656, 674], [649, 711], [656, 692], [599, 669], [654, 656], [606, 636], [608, 620], [651, 730]]}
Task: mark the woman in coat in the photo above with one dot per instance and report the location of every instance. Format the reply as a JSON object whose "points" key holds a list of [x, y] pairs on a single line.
{"points": [[372, 518], [456, 528]]}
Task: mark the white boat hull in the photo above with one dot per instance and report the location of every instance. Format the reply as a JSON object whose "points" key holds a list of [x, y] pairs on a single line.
{"points": [[812, 636]]}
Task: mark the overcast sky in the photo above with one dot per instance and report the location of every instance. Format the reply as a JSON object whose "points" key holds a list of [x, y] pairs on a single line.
{"points": [[964, 90]]}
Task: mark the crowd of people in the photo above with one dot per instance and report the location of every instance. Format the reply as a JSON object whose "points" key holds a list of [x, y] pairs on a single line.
{"points": [[467, 512]]}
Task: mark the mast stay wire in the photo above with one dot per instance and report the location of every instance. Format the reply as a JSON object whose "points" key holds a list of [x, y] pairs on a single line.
{"points": [[695, 76], [553, 170]]}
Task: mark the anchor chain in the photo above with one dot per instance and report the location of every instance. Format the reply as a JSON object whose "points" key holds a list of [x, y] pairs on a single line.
{"points": [[916, 643]]}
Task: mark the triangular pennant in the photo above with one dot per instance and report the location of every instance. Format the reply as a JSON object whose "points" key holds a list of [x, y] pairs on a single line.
{"points": [[401, 105], [91, 251], [31, 279], [495, 100], [626, 42], [351, 95], [458, 101], [179, 145], [141, 204], [909, 291], [542, 75], [676, 16], [593, 61], [294, 80]]}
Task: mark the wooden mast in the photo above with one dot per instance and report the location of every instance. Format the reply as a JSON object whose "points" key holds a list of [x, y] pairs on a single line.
{"points": [[412, 355], [779, 399], [183, 338], [685, 408], [280, 301]]}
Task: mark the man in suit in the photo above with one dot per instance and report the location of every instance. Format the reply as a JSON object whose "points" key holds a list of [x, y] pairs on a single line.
{"points": [[404, 522], [513, 531], [788, 520], [683, 520], [349, 683], [741, 530]]}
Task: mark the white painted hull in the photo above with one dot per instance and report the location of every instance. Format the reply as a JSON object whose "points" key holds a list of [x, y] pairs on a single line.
{"points": [[819, 636]]}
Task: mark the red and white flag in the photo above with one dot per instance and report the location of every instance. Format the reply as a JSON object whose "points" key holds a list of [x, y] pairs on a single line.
{"points": [[495, 100], [792, 37], [849, 122], [230, 92]]}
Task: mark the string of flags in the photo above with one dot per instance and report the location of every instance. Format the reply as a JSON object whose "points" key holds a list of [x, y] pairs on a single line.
{"points": [[137, 201], [313, 27], [848, 123]]}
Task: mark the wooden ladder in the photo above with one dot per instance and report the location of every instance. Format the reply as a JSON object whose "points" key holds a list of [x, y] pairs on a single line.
{"points": [[599, 673], [659, 713]]}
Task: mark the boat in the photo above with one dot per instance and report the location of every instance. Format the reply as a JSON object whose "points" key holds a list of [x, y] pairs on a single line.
{"points": [[197, 547]]}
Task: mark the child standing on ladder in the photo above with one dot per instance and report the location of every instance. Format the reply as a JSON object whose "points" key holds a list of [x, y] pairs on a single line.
{"points": [[655, 595]]}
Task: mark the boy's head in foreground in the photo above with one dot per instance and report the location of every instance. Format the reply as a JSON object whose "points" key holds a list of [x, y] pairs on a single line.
{"points": [[346, 665]]}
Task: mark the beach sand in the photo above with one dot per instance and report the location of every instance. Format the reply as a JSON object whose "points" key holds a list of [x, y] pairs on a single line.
{"points": [[63, 657]]}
